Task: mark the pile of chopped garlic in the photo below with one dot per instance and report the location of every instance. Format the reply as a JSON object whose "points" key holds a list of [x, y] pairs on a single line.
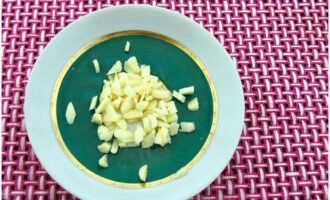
{"points": [[135, 109]]}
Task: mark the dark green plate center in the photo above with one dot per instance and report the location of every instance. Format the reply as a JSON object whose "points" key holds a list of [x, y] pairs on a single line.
{"points": [[172, 64]]}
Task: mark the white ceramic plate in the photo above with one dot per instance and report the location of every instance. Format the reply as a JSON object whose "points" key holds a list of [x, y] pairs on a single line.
{"points": [[121, 18]]}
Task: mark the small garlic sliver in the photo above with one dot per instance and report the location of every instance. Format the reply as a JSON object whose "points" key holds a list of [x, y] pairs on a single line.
{"points": [[174, 128], [104, 133], [97, 118], [143, 171], [132, 66], [96, 66], [148, 141], [146, 124], [70, 113], [139, 134], [153, 121], [193, 105], [187, 127], [114, 147], [104, 147], [127, 46], [187, 90], [93, 103], [116, 68], [179, 96], [103, 161]]}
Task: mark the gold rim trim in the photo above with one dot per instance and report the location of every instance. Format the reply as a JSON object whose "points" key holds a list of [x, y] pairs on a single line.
{"points": [[120, 34]]}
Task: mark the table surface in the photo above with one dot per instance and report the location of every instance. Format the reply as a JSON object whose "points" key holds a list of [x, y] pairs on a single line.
{"points": [[281, 51]]}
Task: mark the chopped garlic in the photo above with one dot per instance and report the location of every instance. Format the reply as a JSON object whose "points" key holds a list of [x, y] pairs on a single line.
{"points": [[70, 113], [110, 115], [104, 133], [104, 147], [193, 105], [117, 103], [160, 94], [96, 66], [162, 124], [131, 65], [97, 118], [145, 70], [103, 161], [179, 96], [132, 76], [128, 144], [127, 45], [134, 95], [143, 171], [171, 107], [172, 118], [162, 137], [116, 68], [116, 88], [139, 134], [157, 85], [101, 107], [106, 92], [129, 91], [146, 124], [133, 114], [93, 103], [122, 124], [142, 105], [174, 128], [160, 116], [153, 121], [148, 141], [187, 127], [114, 147], [125, 136], [127, 105], [187, 90], [152, 104]]}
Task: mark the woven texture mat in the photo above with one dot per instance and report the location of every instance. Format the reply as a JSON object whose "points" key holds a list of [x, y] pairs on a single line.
{"points": [[281, 51]]}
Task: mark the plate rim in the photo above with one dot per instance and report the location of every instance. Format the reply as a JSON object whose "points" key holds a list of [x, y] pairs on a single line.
{"points": [[31, 100]]}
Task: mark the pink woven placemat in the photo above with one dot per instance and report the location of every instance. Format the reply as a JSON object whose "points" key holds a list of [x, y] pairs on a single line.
{"points": [[281, 51]]}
